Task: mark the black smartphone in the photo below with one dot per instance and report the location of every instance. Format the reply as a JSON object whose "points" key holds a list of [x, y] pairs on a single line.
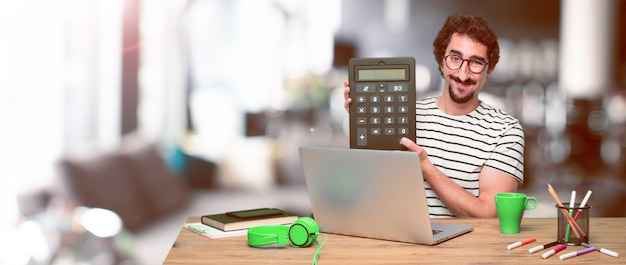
{"points": [[255, 213]]}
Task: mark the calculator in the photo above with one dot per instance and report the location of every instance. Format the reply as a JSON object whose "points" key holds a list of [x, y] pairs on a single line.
{"points": [[383, 102]]}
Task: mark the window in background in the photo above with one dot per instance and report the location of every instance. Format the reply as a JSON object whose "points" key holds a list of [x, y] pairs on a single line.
{"points": [[240, 55], [59, 89]]}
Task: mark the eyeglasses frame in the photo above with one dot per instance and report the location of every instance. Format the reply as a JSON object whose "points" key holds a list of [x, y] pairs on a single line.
{"points": [[445, 61]]}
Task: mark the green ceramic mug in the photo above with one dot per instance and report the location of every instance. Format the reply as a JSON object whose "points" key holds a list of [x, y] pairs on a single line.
{"points": [[510, 207]]}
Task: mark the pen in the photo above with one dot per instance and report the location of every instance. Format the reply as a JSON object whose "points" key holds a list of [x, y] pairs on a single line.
{"points": [[602, 250], [537, 248], [582, 204], [551, 252], [520, 243], [570, 220], [576, 253]]}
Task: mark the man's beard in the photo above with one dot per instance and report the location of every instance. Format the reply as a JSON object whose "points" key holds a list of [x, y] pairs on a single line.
{"points": [[456, 98]]}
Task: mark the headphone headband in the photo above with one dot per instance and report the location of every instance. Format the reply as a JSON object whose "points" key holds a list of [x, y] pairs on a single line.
{"points": [[267, 234]]}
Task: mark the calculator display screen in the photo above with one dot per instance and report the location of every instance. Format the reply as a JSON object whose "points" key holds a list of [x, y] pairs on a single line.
{"points": [[381, 74]]}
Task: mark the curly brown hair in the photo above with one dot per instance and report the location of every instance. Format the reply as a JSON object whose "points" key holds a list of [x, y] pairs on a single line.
{"points": [[476, 28]]}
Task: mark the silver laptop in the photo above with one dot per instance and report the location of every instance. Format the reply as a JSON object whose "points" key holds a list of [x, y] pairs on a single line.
{"points": [[372, 193]]}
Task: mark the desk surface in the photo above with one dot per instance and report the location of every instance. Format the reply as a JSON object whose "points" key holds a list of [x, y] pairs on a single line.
{"points": [[484, 245]]}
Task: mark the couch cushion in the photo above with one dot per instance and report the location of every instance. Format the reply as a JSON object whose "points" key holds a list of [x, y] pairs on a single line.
{"points": [[133, 181], [161, 189], [104, 181]]}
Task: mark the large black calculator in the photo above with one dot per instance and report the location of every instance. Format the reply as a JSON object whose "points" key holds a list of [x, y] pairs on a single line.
{"points": [[383, 102]]}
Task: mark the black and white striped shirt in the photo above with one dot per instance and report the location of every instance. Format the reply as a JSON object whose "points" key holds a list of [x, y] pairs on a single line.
{"points": [[460, 146]]}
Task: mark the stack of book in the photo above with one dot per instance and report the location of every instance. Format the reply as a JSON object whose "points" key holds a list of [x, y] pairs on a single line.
{"points": [[248, 218], [237, 223]]}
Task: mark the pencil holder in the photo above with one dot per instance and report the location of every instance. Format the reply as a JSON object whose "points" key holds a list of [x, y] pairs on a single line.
{"points": [[573, 224]]}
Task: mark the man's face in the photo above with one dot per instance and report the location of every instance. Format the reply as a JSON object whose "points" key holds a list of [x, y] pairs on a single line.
{"points": [[463, 85]]}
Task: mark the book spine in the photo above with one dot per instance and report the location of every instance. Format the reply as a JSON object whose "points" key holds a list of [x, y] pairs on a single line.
{"points": [[210, 222]]}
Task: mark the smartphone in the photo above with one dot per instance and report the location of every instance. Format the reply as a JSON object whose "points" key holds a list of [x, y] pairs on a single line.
{"points": [[255, 213]]}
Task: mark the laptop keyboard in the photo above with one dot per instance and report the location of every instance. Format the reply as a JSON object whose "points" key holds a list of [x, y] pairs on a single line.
{"points": [[437, 231]]}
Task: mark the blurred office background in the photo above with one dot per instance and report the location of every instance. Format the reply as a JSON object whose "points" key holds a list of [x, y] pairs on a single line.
{"points": [[228, 90]]}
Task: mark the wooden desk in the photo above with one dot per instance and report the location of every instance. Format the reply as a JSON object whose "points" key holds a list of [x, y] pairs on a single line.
{"points": [[484, 245]]}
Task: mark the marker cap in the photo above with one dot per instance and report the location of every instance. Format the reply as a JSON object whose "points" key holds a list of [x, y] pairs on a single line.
{"points": [[548, 254], [535, 249], [609, 252], [568, 255]]}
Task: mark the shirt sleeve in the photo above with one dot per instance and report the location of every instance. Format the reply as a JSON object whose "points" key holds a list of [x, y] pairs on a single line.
{"points": [[508, 155]]}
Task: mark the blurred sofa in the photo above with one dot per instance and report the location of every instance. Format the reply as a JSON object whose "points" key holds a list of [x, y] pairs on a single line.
{"points": [[134, 181]]}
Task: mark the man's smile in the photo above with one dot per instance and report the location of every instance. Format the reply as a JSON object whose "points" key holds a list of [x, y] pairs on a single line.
{"points": [[463, 83]]}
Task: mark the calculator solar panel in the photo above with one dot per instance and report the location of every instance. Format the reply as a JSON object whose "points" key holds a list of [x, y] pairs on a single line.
{"points": [[383, 102]]}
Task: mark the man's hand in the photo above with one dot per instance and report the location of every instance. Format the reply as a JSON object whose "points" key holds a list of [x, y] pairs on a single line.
{"points": [[412, 146], [346, 95]]}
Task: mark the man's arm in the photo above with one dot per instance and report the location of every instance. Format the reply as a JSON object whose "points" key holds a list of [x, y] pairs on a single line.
{"points": [[460, 202]]}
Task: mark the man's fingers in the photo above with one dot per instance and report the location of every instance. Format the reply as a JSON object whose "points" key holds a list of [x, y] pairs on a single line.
{"points": [[346, 95], [409, 144]]}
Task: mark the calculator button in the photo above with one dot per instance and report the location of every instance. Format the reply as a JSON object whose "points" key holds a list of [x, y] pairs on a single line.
{"points": [[398, 88], [375, 99], [403, 109], [361, 110], [389, 120], [365, 88], [361, 99], [375, 120], [403, 120], [361, 120], [389, 109], [390, 131], [403, 131], [362, 136], [375, 131], [375, 109]]}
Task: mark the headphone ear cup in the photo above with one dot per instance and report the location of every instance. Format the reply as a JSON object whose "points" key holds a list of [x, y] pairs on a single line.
{"points": [[303, 232]]}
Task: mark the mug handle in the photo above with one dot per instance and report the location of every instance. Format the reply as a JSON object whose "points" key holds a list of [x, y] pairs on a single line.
{"points": [[530, 206]]}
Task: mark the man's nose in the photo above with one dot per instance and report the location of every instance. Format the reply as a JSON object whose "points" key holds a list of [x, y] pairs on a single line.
{"points": [[464, 71]]}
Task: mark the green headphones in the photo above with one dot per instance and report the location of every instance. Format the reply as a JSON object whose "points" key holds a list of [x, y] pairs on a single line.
{"points": [[302, 233]]}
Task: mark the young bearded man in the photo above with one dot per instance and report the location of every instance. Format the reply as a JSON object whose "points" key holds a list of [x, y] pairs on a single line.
{"points": [[469, 151]]}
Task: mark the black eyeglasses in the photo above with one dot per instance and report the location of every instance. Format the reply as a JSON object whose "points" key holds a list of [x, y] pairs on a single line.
{"points": [[454, 62]]}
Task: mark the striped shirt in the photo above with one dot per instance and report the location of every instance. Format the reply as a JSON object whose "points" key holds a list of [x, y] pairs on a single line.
{"points": [[460, 146]]}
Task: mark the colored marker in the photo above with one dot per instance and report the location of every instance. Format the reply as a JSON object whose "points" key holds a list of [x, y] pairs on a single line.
{"points": [[576, 253], [602, 250], [571, 212], [551, 252], [537, 248], [582, 204], [575, 227], [521, 243]]}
